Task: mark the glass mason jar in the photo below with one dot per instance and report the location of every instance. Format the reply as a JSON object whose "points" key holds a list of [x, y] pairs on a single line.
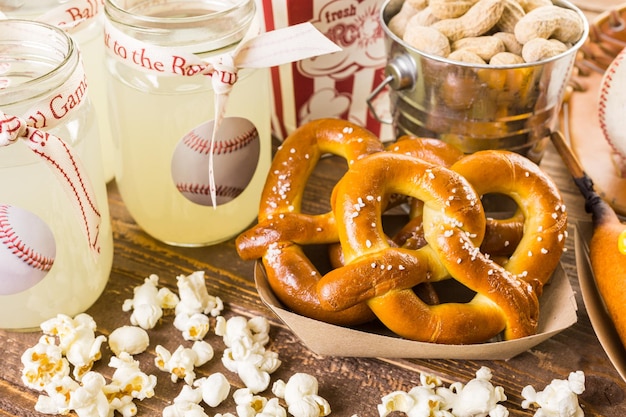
{"points": [[40, 221], [152, 110], [88, 36]]}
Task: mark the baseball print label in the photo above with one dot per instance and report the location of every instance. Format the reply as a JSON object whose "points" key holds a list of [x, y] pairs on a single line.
{"points": [[235, 153], [612, 104], [27, 249], [57, 155], [256, 50]]}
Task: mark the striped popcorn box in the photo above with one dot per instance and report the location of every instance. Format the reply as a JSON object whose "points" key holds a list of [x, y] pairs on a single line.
{"points": [[334, 85]]}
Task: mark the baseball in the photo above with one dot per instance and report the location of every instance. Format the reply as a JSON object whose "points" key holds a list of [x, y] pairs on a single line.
{"points": [[235, 157], [612, 104], [27, 249]]}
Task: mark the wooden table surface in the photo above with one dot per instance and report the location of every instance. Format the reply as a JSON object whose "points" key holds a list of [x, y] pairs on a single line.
{"points": [[353, 386]]}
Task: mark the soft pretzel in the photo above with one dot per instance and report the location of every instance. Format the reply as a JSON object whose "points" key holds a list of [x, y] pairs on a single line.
{"points": [[430, 150], [454, 225], [501, 236], [282, 228], [539, 202], [411, 235]]}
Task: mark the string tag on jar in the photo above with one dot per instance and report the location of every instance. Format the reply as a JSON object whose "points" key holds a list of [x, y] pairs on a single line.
{"points": [[263, 50], [60, 157], [256, 50]]}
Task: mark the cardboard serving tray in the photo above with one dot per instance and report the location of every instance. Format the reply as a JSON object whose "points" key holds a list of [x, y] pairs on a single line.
{"points": [[557, 312], [599, 317]]}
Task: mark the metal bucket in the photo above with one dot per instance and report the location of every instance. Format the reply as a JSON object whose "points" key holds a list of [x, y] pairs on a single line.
{"points": [[474, 107]]}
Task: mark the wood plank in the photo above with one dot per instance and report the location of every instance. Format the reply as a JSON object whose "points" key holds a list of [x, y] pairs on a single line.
{"points": [[352, 385]]}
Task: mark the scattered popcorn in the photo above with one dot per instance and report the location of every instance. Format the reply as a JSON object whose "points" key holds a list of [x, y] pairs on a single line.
{"points": [[124, 405], [43, 363], [186, 404], [203, 350], [248, 404], [181, 364], [89, 400], [77, 340], [477, 398], [93, 397], [220, 326], [64, 327], [194, 305], [58, 399], [250, 374], [128, 382], [301, 395], [68, 342], [194, 296], [273, 409], [245, 353], [257, 329], [193, 327], [559, 399], [189, 394], [130, 339], [419, 401], [215, 389], [148, 303], [184, 410]]}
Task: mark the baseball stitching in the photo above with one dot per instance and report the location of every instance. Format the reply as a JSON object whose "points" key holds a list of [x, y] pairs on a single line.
{"points": [[91, 237], [18, 248], [198, 189], [203, 146], [602, 107]]}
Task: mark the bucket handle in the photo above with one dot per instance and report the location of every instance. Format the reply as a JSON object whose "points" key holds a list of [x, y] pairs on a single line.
{"points": [[401, 75]]}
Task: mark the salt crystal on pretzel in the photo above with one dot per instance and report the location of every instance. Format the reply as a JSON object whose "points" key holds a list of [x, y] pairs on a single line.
{"points": [[506, 297], [282, 227]]}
